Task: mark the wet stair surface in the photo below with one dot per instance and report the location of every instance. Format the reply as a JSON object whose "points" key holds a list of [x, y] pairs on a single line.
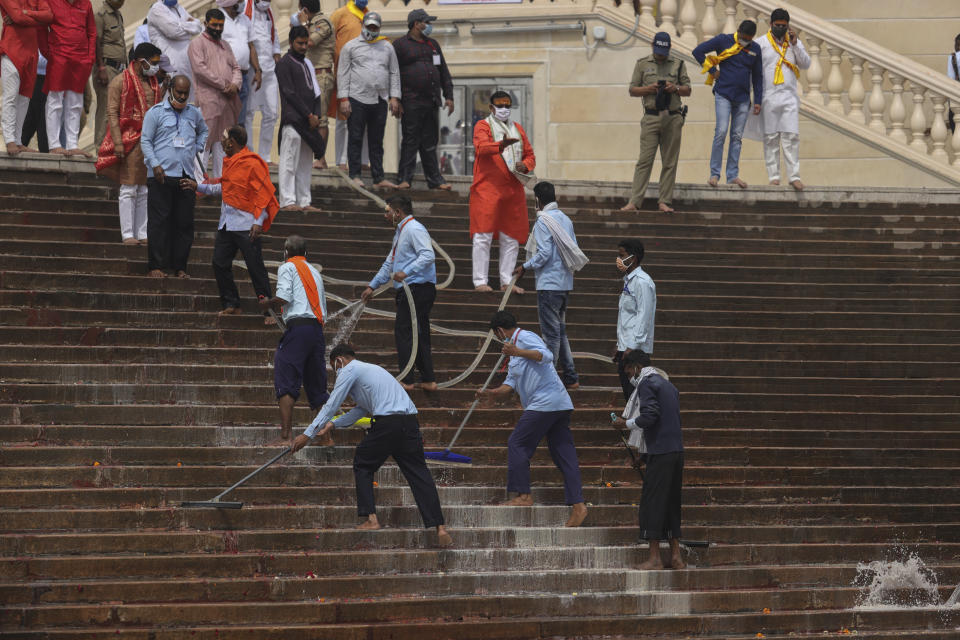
{"points": [[816, 351]]}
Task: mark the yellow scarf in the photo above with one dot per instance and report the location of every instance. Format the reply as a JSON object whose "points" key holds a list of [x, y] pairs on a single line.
{"points": [[355, 10], [713, 60], [778, 71]]}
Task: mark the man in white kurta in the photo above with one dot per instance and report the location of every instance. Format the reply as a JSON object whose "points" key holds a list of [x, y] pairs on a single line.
{"points": [[778, 124], [171, 29], [266, 97]]}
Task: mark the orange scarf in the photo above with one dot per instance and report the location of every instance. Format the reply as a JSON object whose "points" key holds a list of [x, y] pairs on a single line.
{"points": [[246, 185], [309, 285], [133, 108]]}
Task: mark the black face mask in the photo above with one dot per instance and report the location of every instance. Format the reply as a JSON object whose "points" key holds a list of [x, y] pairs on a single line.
{"points": [[215, 33], [778, 31]]}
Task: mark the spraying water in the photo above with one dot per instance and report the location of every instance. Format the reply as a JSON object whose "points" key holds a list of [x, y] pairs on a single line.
{"points": [[889, 584], [347, 324]]}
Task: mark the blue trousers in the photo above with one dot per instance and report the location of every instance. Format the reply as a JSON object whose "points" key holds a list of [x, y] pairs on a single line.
{"points": [[300, 360], [552, 309], [526, 436], [732, 116]]}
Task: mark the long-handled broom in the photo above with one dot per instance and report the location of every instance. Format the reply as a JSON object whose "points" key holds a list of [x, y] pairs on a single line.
{"points": [[218, 503], [448, 456]]}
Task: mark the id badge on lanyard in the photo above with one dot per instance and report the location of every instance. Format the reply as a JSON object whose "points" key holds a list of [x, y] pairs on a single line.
{"points": [[179, 141]]}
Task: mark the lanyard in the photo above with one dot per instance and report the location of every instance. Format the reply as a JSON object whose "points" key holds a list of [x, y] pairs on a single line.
{"points": [[515, 336], [396, 243]]}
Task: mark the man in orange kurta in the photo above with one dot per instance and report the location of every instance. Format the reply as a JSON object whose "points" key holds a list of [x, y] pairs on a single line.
{"points": [[504, 161], [70, 50], [347, 24], [18, 63]]}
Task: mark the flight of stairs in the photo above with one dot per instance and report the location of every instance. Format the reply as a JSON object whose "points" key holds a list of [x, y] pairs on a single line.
{"points": [[815, 350]]}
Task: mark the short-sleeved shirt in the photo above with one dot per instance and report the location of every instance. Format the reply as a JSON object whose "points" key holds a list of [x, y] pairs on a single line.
{"points": [[110, 35], [648, 71]]}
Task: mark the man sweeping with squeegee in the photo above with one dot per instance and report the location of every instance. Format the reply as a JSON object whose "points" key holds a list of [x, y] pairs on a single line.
{"points": [[394, 431]]}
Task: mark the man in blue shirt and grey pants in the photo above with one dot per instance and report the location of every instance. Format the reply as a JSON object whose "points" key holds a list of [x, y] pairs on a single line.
{"points": [[411, 260], [736, 66], [546, 412], [554, 280]]}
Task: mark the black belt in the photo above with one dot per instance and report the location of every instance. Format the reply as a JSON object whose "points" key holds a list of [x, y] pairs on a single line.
{"points": [[301, 322], [654, 112], [119, 65]]}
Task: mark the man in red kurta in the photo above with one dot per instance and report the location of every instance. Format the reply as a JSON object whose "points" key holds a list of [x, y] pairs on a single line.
{"points": [[18, 63], [70, 49], [498, 203]]}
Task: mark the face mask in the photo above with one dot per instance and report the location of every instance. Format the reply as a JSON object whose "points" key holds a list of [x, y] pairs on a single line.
{"points": [[150, 70], [778, 31], [361, 4], [368, 35], [635, 380], [262, 6], [427, 30], [623, 265], [177, 104], [170, 3], [216, 34], [501, 113]]}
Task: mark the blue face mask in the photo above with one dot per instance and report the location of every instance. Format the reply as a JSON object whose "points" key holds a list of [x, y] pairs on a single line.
{"points": [[170, 3], [361, 4], [427, 30]]}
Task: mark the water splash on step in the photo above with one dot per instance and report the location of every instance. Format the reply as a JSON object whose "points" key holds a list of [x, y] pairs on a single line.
{"points": [[346, 325], [896, 584]]}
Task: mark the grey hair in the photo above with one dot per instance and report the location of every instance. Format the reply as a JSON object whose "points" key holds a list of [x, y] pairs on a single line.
{"points": [[295, 246]]}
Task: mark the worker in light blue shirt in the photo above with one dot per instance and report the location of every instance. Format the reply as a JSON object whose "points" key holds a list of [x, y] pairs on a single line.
{"points": [[173, 134], [411, 260], [638, 306], [554, 281], [394, 431], [546, 412]]}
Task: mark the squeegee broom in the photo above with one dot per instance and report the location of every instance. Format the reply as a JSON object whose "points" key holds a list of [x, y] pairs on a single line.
{"points": [[218, 502], [448, 456]]}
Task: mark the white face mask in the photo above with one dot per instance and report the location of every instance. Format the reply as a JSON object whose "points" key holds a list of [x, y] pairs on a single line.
{"points": [[623, 265], [151, 69], [501, 113], [368, 35]]}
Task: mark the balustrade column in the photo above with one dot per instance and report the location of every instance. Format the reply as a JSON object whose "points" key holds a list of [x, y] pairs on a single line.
{"points": [[709, 26], [646, 13], [835, 80], [918, 119], [878, 101], [898, 110], [687, 23], [282, 16], [751, 14], [955, 143], [856, 92], [668, 16], [815, 72], [938, 130], [730, 23]]}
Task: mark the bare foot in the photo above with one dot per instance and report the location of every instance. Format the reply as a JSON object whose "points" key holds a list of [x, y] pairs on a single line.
{"points": [[320, 164], [652, 564], [572, 387], [577, 515], [484, 288], [739, 182], [156, 273], [286, 433], [629, 207], [385, 184], [407, 387], [269, 321], [713, 181], [230, 311], [521, 500], [775, 182], [442, 187], [342, 167], [142, 242], [59, 151], [183, 275], [517, 290], [676, 562], [78, 152], [291, 207], [370, 524], [443, 538], [311, 209], [665, 208], [25, 149], [429, 386], [358, 182], [403, 185], [13, 148], [796, 184], [129, 241], [327, 441]]}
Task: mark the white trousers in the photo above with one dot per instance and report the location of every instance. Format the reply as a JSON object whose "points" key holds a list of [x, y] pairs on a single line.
{"points": [[267, 102], [133, 211], [64, 109], [509, 248], [340, 144], [296, 164], [791, 154], [14, 108]]}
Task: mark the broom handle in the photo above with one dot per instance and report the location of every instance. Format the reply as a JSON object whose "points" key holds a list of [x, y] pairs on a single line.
{"points": [[486, 384], [253, 473]]}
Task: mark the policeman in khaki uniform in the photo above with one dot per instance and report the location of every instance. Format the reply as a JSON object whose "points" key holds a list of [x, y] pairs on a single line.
{"points": [[320, 51], [660, 79], [111, 59]]}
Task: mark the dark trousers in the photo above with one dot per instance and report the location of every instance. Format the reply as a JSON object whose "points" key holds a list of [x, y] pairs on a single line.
{"points": [[169, 224], [552, 310], [371, 118], [397, 436], [424, 296], [36, 120], [300, 360], [420, 125], [661, 499], [523, 442], [625, 383], [224, 250]]}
